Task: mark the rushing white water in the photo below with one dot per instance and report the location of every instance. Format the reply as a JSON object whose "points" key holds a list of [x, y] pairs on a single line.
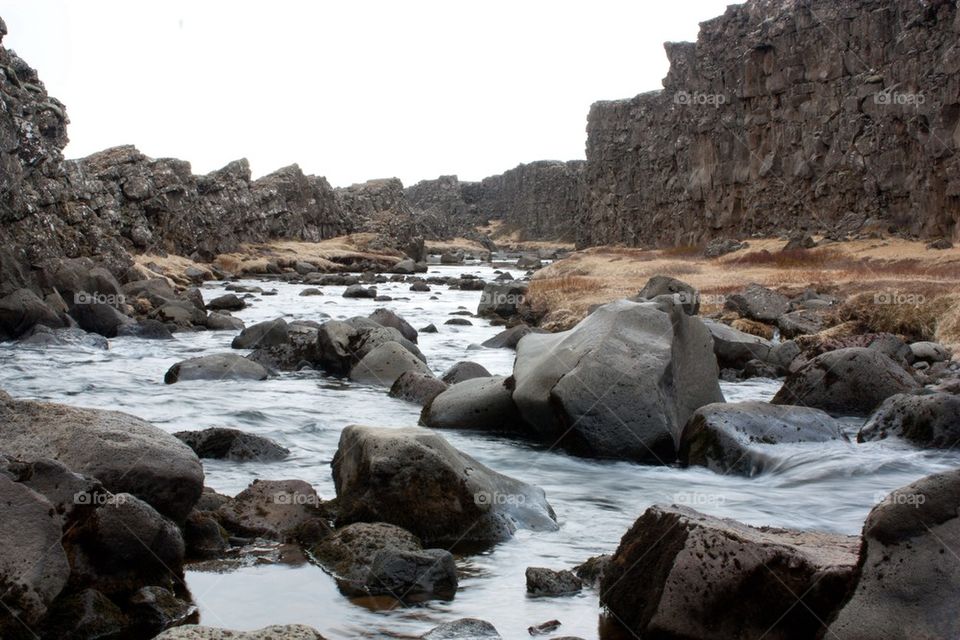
{"points": [[828, 487]]}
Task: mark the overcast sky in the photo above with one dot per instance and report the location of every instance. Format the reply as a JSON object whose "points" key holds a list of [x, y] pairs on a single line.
{"points": [[351, 90]]}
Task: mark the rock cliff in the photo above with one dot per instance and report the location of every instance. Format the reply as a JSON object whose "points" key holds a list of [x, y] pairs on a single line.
{"points": [[827, 115]]}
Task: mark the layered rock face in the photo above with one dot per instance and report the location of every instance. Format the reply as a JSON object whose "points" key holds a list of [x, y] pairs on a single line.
{"points": [[826, 115]]}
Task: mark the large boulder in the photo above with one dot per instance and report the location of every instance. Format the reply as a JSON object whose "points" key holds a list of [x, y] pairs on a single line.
{"points": [[385, 363], [222, 443], [510, 338], [414, 479], [33, 565], [383, 559], [387, 318], [501, 299], [908, 582], [746, 437], [478, 403], [220, 366], [846, 381], [931, 421], [464, 370], [758, 303], [734, 348], [621, 384], [125, 453], [268, 333], [417, 387], [681, 574], [684, 294], [463, 629], [341, 344], [21, 310]]}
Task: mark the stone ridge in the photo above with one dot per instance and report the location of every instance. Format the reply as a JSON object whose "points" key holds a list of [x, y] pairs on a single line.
{"points": [[826, 115]]}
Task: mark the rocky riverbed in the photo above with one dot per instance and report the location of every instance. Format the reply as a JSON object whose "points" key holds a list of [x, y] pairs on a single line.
{"points": [[812, 483]]}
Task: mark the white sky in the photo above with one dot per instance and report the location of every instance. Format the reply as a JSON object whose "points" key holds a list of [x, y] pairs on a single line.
{"points": [[351, 90]]}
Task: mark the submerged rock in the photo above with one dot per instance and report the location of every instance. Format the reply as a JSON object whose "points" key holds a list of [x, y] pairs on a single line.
{"points": [[464, 370], [758, 303], [263, 334], [414, 479], [222, 443], [479, 403], [418, 387], [386, 362], [221, 366]]}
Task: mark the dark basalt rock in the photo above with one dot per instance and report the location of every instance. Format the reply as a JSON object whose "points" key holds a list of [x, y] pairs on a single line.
{"points": [[221, 443]]}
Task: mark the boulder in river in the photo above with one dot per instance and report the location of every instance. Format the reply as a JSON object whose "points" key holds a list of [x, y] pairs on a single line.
{"points": [[758, 303], [275, 632], [479, 403], [226, 302], [463, 629], [222, 443], [387, 318], [510, 338], [501, 299], [386, 362], [418, 387], [341, 344], [851, 381], [547, 582], [220, 366], [125, 453], [359, 291], [931, 421], [273, 509], [930, 352], [44, 336], [100, 318], [383, 559], [744, 437], [908, 582], [620, 384], [222, 321], [682, 574], [21, 310], [685, 295], [414, 479], [268, 333], [464, 370]]}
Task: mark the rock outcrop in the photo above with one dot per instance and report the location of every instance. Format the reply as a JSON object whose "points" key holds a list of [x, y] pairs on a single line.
{"points": [[839, 117]]}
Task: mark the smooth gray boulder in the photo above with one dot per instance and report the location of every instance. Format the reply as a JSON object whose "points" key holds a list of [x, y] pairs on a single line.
{"points": [[464, 370], [100, 318], [125, 453], [931, 421], [341, 344], [222, 443], [908, 582], [682, 574], [463, 629], [383, 559], [220, 366], [359, 291], [685, 295], [22, 310], [272, 509], [385, 363], [501, 299], [387, 318], [415, 479], [269, 333], [851, 381], [746, 437], [223, 321], [417, 387], [758, 303], [620, 384], [33, 565], [275, 632], [479, 403], [226, 302], [735, 348], [510, 338], [43, 336], [930, 352]]}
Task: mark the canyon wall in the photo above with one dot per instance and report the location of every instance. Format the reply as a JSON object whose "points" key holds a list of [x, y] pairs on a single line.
{"points": [[828, 115]]}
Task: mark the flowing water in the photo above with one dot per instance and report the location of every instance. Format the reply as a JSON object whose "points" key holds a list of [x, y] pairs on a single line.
{"points": [[828, 487]]}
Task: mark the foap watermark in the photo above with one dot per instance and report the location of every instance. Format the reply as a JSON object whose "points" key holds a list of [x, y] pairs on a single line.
{"points": [[500, 299], [898, 98], [899, 297], [296, 498], [112, 299], [915, 500], [696, 499], [698, 99], [98, 499], [695, 298], [491, 498]]}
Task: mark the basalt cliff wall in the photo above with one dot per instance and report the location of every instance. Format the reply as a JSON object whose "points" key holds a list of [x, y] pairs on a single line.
{"points": [[826, 115]]}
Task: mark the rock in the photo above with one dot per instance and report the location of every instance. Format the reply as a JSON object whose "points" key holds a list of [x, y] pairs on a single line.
{"points": [[414, 386], [622, 383], [547, 582], [203, 536], [385, 363], [591, 571], [684, 294], [387, 318], [33, 564], [421, 287], [85, 614], [758, 303], [501, 299], [547, 627], [722, 246], [464, 370], [43, 336], [800, 323], [908, 585], [71, 494], [275, 632], [680, 573], [99, 318], [358, 291], [451, 258], [145, 329], [930, 421], [735, 348], [221, 366], [223, 322], [479, 403], [299, 352], [221, 443], [269, 333], [181, 313], [226, 302], [310, 291], [126, 454], [273, 509], [529, 262], [21, 310], [940, 244], [382, 559], [930, 352], [406, 266], [846, 381], [382, 475], [341, 345], [800, 241], [745, 437], [157, 608], [430, 328], [463, 629], [509, 338], [124, 545], [461, 322]]}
